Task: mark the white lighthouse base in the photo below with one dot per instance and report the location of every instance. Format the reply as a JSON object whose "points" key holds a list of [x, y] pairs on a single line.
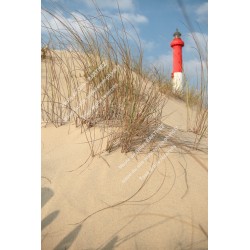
{"points": [[177, 82]]}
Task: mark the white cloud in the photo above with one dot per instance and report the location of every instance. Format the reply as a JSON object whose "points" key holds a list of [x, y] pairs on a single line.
{"points": [[57, 22], [130, 18], [112, 4], [57, 19], [131, 22], [134, 18], [201, 12]]}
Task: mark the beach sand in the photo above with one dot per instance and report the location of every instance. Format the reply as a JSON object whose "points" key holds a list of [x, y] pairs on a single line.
{"points": [[168, 212], [175, 217]]}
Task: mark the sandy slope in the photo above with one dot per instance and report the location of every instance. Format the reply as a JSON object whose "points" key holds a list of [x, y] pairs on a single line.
{"points": [[174, 218], [169, 212]]}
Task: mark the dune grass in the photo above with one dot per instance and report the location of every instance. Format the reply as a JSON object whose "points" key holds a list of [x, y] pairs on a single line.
{"points": [[118, 96], [93, 78]]}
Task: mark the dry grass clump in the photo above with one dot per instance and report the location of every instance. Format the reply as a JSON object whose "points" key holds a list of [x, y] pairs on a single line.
{"points": [[93, 80]]}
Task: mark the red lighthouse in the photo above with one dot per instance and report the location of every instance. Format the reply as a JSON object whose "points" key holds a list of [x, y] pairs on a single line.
{"points": [[177, 45]]}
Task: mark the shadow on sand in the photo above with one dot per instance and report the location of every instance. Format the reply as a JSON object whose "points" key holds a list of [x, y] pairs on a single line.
{"points": [[67, 241], [48, 219], [111, 244], [47, 194]]}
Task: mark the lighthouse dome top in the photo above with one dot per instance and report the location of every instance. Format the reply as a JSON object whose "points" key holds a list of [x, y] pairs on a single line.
{"points": [[177, 41], [177, 34]]}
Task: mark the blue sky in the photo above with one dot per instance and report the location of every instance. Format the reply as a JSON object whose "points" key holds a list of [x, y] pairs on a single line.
{"points": [[155, 21]]}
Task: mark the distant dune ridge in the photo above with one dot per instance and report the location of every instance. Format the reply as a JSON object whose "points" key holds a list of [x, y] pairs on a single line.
{"points": [[121, 166]]}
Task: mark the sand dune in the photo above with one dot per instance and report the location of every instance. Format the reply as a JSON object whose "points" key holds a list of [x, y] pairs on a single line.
{"points": [[174, 218], [124, 209]]}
